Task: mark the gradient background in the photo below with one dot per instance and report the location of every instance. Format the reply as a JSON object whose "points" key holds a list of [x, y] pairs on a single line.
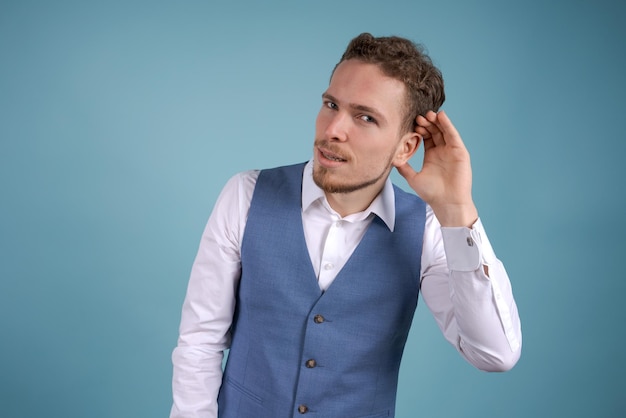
{"points": [[120, 121]]}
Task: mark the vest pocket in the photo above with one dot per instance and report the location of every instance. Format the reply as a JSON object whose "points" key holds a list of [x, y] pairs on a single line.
{"points": [[243, 391]]}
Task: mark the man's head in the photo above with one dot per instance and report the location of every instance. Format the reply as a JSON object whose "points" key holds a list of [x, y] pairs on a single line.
{"points": [[407, 62], [365, 126]]}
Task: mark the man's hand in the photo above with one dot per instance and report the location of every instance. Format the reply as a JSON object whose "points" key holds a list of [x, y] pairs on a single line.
{"points": [[445, 181]]}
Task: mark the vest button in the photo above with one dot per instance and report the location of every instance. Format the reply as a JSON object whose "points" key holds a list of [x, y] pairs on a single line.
{"points": [[318, 319], [303, 409], [310, 363]]}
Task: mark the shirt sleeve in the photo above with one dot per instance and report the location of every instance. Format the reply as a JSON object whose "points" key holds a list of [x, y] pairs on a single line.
{"points": [[209, 304], [468, 291]]}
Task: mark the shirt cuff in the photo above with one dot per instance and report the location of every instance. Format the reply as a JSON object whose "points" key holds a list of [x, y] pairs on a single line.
{"points": [[464, 247]]}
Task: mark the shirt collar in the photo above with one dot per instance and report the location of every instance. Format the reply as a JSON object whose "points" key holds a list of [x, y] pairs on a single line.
{"points": [[383, 205]]}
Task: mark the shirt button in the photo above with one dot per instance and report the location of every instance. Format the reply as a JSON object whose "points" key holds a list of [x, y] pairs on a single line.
{"points": [[338, 224], [303, 409], [328, 266], [318, 319], [310, 364]]}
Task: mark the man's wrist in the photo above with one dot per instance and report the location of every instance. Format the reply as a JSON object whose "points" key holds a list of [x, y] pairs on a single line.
{"points": [[456, 215]]}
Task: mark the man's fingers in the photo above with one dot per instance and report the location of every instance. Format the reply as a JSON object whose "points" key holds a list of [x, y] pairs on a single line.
{"points": [[439, 128], [448, 129], [430, 128]]}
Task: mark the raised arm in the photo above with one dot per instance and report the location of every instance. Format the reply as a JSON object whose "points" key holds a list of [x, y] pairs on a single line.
{"points": [[463, 283]]}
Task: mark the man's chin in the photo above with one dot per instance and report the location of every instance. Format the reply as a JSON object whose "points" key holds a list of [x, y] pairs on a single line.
{"points": [[322, 179], [338, 187]]}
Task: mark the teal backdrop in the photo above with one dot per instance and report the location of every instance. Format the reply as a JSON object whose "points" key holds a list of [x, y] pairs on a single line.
{"points": [[120, 121]]}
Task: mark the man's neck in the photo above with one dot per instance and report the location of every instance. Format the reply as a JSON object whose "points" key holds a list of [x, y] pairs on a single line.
{"points": [[348, 203]]}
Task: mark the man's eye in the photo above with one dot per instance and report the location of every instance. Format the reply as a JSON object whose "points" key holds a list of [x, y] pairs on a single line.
{"points": [[331, 105], [367, 118]]}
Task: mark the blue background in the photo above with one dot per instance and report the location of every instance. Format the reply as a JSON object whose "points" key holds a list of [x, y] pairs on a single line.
{"points": [[120, 121]]}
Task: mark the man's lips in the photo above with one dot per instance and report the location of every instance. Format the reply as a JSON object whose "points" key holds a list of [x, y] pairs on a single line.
{"points": [[331, 156]]}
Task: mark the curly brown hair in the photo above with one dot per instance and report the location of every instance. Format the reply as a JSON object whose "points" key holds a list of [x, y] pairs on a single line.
{"points": [[407, 62]]}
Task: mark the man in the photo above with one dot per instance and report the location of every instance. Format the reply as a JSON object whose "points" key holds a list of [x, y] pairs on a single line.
{"points": [[310, 273]]}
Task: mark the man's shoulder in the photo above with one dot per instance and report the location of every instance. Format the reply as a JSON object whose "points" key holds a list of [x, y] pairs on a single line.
{"points": [[282, 179], [282, 174]]}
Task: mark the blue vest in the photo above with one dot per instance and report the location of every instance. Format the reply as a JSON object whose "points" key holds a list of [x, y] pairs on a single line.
{"points": [[297, 351]]}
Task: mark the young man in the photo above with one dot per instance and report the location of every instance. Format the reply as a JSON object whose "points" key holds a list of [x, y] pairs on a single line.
{"points": [[310, 273]]}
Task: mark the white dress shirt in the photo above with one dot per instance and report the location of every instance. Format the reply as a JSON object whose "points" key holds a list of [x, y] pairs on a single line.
{"points": [[463, 284]]}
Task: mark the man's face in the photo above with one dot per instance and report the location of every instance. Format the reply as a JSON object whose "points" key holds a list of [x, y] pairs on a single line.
{"points": [[357, 131]]}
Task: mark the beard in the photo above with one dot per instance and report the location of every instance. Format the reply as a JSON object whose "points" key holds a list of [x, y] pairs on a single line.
{"points": [[322, 177]]}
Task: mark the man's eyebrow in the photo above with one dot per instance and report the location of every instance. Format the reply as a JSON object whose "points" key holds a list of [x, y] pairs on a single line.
{"points": [[362, 108], [328, 97]]}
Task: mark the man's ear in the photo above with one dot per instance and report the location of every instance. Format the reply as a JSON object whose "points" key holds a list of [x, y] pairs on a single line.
{"points": [[409, 144]]}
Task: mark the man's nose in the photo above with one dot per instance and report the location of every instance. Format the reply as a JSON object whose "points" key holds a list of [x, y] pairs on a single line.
{"points": [[337, 128]]}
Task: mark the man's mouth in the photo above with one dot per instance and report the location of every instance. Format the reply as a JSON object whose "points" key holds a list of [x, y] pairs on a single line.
{"points": [[332, 156]]}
